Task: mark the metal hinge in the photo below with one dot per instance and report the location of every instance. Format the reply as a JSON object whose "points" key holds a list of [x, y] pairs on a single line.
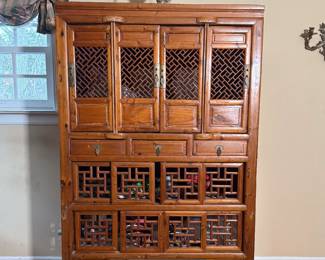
{"points": [[157, 75], [71, 75], [163, 75], [247, 75]]}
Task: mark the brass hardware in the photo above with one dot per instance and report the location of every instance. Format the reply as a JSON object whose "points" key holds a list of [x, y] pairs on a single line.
{"points": [[207, 20], [97, 149], [157, 149], [157, 75], [247, 75], [219, 149], [116, 19], [71, 75], [163, 76]]}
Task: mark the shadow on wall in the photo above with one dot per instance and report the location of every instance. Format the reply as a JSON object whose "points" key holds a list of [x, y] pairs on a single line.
{"points": [[43, 145]]}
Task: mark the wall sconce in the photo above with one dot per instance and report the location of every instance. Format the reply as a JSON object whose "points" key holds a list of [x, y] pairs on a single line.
{"points": [[308, 34]]}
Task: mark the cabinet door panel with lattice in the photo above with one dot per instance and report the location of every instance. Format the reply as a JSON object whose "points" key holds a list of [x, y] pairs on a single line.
{"points": [[227, 79], [181, 58], [137, 78], [90, 78]]}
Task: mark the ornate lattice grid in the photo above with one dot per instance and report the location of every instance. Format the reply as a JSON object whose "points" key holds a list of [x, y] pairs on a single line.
{"points": [[182, 183], [222, 183], [228, 74], [94, 182], [141, 231], [222, 230], [182, 74], [95, 230], [133, 183], [137, 72], [91, 72], [184, 231]]}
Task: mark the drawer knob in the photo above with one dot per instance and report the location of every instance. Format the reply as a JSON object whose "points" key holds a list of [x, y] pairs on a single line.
{"points": [[97, 148], [219, 149], [157, 149]]}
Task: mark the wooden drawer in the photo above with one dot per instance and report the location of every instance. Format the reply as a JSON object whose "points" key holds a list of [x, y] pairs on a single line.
{"points": [[220, 148], [159, 148], [98, 148]]}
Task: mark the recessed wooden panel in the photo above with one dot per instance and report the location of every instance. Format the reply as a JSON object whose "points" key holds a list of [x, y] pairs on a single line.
{"points": [[98, 148], [137, 116], [159, 148], [96, 231], [228, 38], [182, 116], [141, 231], [228, 148], [95, 116], [225, 116]]}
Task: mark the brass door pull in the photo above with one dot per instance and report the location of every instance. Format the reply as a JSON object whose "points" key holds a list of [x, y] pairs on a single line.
{"points": [[157, 149], [219, 149], [97, 148]]}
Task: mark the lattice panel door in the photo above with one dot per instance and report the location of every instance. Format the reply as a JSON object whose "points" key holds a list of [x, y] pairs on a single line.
{"points": [[141, 231], [96, 231], [90, 78], [223, 183], [137, 73], [133, 182], [184, 231], [181, 183], [92, 182], [181, 56], [223, 231], [228, 55]]}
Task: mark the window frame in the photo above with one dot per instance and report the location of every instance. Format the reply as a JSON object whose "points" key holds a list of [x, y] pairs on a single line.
{"points": [[36, 107]]}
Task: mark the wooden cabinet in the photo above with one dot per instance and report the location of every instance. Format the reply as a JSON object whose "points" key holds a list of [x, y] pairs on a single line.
{"points": [[159, 109]]}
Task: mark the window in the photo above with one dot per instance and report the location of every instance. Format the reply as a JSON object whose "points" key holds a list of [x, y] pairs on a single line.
{"points": [[26, 69]]}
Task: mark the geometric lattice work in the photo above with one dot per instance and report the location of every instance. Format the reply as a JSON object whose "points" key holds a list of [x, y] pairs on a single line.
{"points": [[137, 72], [141, 231], [95, 230], [91, 72], [133, 183], [94, 182], [182, 74], [222, 183], [184, 231], [182, 183], [228, 74], [222, 230]]}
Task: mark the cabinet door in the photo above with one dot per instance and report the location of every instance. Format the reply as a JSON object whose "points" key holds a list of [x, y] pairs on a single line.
{"points": [[227, 75], [181, 90], [137, 80], [90, 78]]}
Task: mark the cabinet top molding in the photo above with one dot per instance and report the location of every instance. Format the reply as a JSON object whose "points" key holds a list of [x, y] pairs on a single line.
{"points": [[60, 6], [77, 12]]}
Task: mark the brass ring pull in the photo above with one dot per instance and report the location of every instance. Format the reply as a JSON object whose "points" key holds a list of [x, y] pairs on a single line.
{"points": [[219, 149], [97, 149], [157, 149]]}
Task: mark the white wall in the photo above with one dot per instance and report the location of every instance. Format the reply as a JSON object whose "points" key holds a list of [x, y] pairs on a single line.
{"points": [[291, 176]]}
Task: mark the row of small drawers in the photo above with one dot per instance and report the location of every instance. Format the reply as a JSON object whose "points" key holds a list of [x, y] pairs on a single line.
{"points": [[155, 148]]}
